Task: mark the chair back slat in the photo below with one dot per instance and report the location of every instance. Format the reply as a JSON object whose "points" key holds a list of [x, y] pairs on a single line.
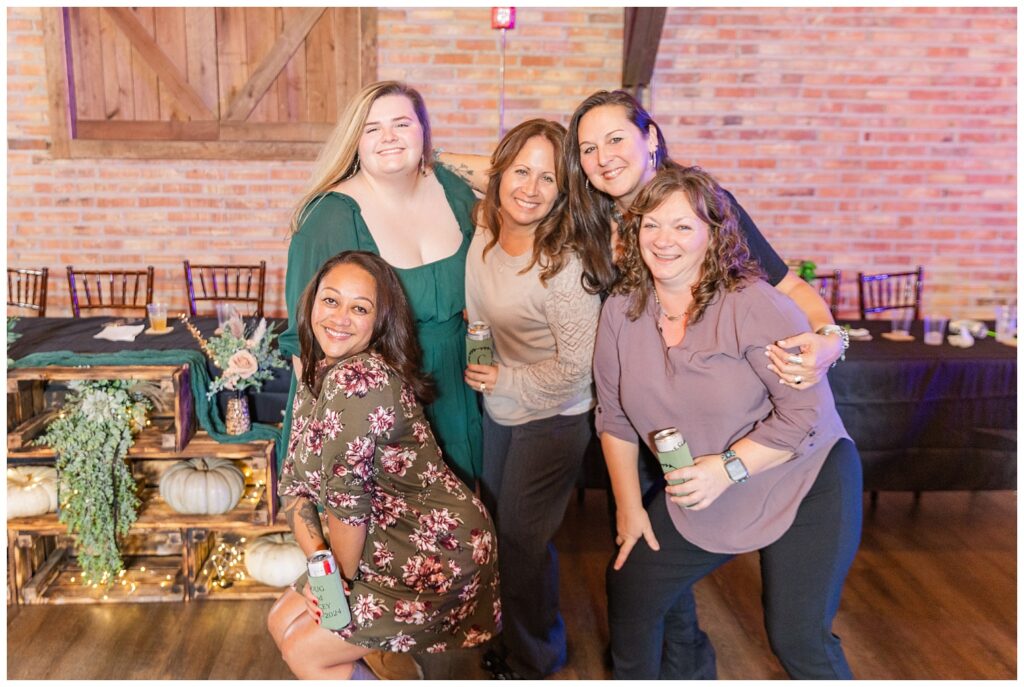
{"points": [[229, 283], [890, 291], [26, 288], [828, 289], [110, 289]]}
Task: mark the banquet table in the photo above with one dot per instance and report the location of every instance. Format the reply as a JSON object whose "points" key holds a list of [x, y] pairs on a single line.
{"points": [[930, 417], [923, 417], [74, 340]]}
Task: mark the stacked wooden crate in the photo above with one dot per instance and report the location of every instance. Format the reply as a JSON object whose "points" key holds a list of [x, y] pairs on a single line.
{"points": [[166, 551]]}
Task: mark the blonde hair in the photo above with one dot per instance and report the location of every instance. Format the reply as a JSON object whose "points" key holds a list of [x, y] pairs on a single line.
{"points": [[339, 158]]}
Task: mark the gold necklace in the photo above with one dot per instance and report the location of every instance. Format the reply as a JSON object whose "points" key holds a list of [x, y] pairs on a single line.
{"points": [[670, 318]]}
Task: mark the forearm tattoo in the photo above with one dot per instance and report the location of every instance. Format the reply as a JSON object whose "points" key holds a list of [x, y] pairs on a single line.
{"points": [[302, 512]]}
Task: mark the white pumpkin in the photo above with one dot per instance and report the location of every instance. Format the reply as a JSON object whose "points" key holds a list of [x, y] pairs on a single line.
{"points": [[202, 485], [31, 490], [274, 559]]}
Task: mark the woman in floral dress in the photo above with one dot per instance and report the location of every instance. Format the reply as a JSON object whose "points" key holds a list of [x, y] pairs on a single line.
{"points": [[416, 548]]}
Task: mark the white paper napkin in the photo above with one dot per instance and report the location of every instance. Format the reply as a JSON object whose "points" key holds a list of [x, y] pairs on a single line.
{"points": [[122, 333]]}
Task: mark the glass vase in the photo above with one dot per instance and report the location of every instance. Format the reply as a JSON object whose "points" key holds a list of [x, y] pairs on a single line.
{"points": [[237, 419]]}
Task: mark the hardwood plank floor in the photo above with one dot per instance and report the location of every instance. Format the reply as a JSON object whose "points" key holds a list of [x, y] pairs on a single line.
{"points": [[932, 595]]}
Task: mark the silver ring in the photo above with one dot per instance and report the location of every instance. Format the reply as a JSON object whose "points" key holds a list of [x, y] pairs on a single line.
{"points": [[796, 359], [483, 387], [798, 380]]}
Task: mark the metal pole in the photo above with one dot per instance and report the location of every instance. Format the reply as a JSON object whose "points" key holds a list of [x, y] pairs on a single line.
{"points": [[501, 97]]}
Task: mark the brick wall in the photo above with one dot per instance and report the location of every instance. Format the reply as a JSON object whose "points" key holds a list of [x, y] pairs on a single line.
{"points": [[861, 138]]}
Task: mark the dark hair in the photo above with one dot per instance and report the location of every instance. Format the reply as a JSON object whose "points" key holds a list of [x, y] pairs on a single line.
{"points": [[591, 211], [394, 333], [552, 236], [727, 264]]}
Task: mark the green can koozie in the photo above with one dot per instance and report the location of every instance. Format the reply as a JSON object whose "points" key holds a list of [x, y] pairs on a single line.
{"points": [[325, 582], [479, 344]]}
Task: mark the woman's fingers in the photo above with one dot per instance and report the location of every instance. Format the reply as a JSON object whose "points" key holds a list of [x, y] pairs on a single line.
{"points": [[624, 550]]}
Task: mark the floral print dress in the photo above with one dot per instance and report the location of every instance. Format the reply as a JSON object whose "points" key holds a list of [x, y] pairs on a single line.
{"points": [[428, 578]]}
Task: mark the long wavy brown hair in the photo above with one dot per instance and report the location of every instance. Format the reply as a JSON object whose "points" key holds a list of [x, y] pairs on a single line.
{"points": [[591, 211], [552, 237], [727, 264], [394, 331]]}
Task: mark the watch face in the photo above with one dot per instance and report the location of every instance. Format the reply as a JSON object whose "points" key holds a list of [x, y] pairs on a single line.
{"points": [[737, 471]]}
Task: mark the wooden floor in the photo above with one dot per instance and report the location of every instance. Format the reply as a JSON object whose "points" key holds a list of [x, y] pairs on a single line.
{"points": [[932, 595]]}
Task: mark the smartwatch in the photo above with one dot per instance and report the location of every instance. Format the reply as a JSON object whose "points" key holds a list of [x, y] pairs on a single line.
{"points": [[734, 467]]}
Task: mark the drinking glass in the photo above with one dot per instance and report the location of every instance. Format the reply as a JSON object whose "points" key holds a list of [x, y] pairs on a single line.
{"points": [[157, 316], [223, 313], [1006, 322], [935, 330], [901, 322]]}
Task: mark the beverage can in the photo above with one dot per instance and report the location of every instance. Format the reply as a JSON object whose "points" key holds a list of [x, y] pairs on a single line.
{"points": [[325, 582], [673, 453], [479, 344]]}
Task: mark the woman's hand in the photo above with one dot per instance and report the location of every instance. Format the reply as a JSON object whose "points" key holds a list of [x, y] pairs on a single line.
{"points": [[482, 378], [706, 480], [632, 524], [312, 605], [808, 367]]}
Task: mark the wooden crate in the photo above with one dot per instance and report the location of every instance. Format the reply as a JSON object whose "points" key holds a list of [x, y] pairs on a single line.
{"points": [[203, 544], [25, 555], [154, 572], [150, 458], [175, 421]]}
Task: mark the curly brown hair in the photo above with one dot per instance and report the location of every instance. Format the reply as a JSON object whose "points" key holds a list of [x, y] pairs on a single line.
{"points": [[394, 331], [727, 264], [552, 238]]}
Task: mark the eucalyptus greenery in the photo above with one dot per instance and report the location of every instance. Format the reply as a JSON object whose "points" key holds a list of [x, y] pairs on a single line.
{"points": [[97, 494], [12, 336]]}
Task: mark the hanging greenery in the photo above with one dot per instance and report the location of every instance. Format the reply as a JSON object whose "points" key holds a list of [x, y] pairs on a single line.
{"points": [[97, 494]]}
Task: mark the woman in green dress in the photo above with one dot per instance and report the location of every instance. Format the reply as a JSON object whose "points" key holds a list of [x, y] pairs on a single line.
{"points": [[374, 188]]}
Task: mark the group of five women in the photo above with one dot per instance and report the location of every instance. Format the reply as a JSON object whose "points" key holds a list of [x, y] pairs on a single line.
{"points": [[391, 432]]}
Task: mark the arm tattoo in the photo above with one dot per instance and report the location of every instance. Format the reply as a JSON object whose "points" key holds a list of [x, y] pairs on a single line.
{"points": [[299, 510], [464, 171]]}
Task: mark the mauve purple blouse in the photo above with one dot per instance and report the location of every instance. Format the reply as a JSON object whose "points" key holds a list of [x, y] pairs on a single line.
{"points": [[716, 388]]}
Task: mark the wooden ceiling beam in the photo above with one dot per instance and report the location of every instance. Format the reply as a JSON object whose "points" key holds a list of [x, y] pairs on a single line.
{"points": [[642, 34]]}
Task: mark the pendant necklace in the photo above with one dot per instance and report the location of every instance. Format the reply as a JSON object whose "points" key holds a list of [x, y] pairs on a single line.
{"points": [[671, 318]]}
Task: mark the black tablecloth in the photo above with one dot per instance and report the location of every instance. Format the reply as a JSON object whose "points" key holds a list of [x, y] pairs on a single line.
{"points": [[923, 417], [51, 334], [930, 417]]}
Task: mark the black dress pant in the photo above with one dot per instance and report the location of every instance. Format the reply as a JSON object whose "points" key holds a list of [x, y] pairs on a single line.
{"points": [[528, 476], [651, 608]]}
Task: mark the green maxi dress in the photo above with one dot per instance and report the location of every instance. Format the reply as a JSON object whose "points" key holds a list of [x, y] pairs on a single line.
{"points": [[437, 295]]}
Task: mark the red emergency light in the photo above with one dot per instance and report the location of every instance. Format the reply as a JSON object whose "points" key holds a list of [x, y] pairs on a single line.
{"points": [[503, 17]]}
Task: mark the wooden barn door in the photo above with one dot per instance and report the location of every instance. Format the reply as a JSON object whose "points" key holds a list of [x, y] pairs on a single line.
{"points": [[235, 82]]}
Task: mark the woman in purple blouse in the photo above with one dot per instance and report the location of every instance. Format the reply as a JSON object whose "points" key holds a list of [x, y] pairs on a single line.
{"points": [[682, 343]]}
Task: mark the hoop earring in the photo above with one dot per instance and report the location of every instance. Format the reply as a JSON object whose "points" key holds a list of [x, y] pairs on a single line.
{"points": [[423, 166], [654, 159]]}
